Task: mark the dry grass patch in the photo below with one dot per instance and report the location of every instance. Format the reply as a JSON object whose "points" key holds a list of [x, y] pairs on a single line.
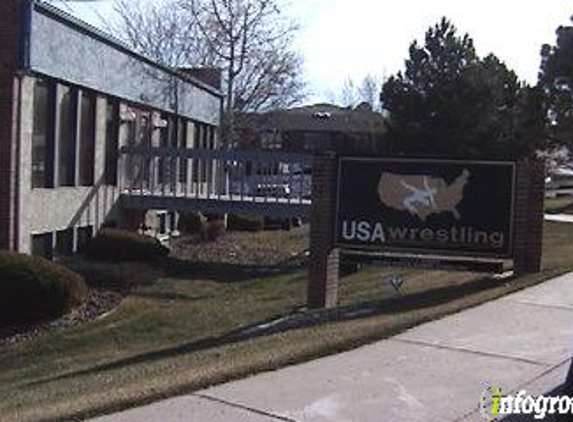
{"points": [[168, 337]]}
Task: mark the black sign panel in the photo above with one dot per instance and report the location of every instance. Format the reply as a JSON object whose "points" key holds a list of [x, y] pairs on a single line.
{"points": [[425, 206]]}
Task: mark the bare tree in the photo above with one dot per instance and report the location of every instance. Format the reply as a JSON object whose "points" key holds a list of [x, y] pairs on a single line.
{"points": [[348, 93], [161, 31], [272, 83], [249, 40], [369, 92]]}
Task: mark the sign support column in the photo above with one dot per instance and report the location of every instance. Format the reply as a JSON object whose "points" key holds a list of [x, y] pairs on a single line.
{"points": [[324, 257], [528, 223]]}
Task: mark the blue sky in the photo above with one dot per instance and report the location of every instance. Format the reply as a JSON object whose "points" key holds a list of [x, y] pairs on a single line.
{"points": [[343, 39]]}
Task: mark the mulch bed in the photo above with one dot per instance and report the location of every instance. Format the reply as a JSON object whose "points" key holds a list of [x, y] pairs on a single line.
{"points": [[235, 248], [98, 303], [110, 283]]}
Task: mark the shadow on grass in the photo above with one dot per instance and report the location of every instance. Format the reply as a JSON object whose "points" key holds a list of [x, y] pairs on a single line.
{"points": [[226, 273], [170, 296], [298, 320]]}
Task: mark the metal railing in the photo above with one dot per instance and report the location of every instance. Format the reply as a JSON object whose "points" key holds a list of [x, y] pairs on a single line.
{"points": [[256, 176]]}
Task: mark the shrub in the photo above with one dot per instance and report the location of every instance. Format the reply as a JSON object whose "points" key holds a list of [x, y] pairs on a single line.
{"points": [[192, 222], [213, 230], [277, 223], [33, 288], [238, 222], [121, 245]]}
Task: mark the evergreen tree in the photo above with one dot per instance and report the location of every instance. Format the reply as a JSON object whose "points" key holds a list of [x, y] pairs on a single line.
{"points": [[450, 102]]}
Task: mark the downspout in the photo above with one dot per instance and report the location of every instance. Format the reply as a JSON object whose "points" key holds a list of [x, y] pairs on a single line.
{"points": [[16, 151], [25, 34], [25, 40]]}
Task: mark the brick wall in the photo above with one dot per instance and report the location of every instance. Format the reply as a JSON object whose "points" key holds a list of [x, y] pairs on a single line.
{"points": [[10, 23], [528, 216], [324, 258]]}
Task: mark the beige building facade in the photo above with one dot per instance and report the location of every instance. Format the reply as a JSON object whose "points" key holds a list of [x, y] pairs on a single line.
{"points": [[76, 98]]}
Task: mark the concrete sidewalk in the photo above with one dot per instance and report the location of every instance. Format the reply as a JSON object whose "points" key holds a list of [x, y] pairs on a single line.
{"points": [[559, 218], [434, 372]]}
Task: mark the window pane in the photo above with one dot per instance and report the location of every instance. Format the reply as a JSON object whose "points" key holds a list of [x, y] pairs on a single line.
{"points": [[84, 235], [197, 144], [205, 144], [128, 139], [67, 139], [162, 223], [164, 137], [87, 139], [163, 142], [42, 136], [42, 245], [111, 142], [65, 242], [141, 165], [182, 143]]}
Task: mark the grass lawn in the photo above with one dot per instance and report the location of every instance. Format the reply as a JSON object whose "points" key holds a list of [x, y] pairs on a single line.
{"points": [[558, 204], [168, 336]]}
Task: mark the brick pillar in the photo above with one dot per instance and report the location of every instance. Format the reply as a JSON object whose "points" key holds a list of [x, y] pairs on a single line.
{"points": [[324, 258], [528, 216], [10, 42]]}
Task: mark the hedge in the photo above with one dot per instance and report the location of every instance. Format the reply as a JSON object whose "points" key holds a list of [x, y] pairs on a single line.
{"points": [[33, 288], [236, 222], [115, 245]]}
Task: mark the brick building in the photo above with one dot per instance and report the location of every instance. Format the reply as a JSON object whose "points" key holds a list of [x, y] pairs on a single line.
{"points": [[70, 98], [313, 128]]}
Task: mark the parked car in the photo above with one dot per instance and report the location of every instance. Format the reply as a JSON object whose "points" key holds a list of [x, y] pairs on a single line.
{"points": [[275, 190]]}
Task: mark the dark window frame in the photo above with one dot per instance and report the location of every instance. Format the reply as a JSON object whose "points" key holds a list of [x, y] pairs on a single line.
{"points": [[67, 143], [87, 138], [42, 244], [112, 129], [45, 178]]}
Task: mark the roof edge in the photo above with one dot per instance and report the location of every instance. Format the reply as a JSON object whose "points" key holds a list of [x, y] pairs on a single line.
{"points": [[102, 36]]}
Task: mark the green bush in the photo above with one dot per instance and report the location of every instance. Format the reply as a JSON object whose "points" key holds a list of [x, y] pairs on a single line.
{"points": [[277, 223], [121, 245], [33, 288], [191, 222], [213, 230], [237, 222]]}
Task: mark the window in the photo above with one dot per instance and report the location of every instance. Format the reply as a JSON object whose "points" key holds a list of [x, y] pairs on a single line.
{"points": [[142, 165], [43, 136], [206, 143], [42, 245], [128, 139], [271, 139], [111, 142], [162, 220], [182, 134], [198, 143], [84, 235], [87, 138], [182, 143], [162, 177], [172, 221], [144, 130], [168, 132], [67, 137], [65, 242]]}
